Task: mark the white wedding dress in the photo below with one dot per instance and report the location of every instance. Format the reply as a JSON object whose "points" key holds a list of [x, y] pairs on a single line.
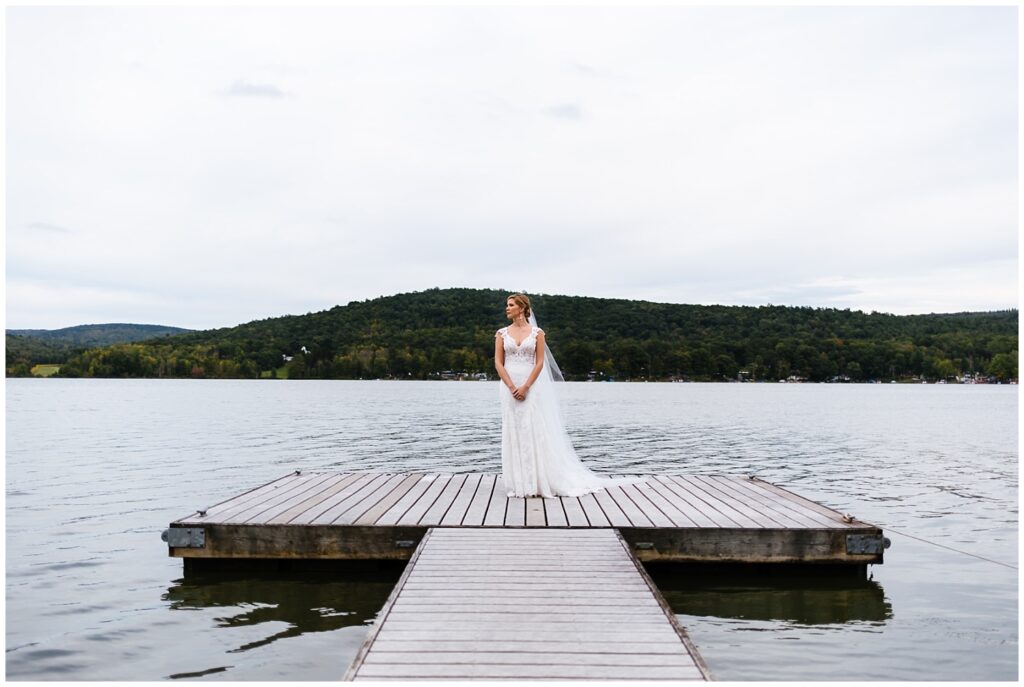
{"points": [[537, 458]]}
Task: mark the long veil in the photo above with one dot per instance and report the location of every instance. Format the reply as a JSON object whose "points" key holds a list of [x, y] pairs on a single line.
{"points": [[554, 372], [565, 470]]}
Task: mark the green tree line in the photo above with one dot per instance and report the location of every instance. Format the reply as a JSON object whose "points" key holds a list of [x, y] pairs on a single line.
{"points": [[426, 334]]}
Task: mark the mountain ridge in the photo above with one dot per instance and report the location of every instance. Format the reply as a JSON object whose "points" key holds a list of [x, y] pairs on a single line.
{"points": [[100, 334]]}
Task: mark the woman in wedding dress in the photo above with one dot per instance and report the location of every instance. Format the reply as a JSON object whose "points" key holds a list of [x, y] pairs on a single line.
{"points": [[537, 458]]}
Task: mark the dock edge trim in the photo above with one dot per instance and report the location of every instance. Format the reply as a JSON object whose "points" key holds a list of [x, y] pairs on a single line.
{"points": [[364, 649], [667, 610]]}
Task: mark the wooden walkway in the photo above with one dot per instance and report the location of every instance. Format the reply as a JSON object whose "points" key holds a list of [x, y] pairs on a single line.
{"points": [[536, 588], [525, 604], [692, 518]]}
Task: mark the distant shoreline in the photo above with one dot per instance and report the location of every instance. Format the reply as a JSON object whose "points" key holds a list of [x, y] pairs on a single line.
{"points": [[905, 382]]}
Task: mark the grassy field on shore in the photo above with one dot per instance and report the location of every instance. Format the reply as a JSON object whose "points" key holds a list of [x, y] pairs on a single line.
{"points": [[45, 370]]}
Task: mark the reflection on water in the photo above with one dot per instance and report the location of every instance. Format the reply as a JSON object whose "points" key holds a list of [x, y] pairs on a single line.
{"points": [[830, 626], [743, 594], [286, 604], [302, 601]]}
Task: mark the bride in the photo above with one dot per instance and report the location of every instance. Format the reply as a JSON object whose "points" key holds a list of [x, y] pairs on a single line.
{"points": [[537, 458]]}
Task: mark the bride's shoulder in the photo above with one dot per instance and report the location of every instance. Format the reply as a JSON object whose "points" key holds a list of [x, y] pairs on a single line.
{"points": [[501, 332], [538, 331]]}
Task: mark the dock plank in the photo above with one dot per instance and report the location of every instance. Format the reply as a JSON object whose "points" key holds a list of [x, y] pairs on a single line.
{"points": [[798, 510], [460, 506], [787, 513], [651, 511], [478, 506], [515, 512], [562, 555], [584, 611], [497, 574], [675, 516], [224, 511], [548, 618], [715, 503], [574, 534], [217, 510], [445, 501], [424, 502], [497, 508], [532, 604], [555, 596], [693, 514], [374, 514], [310, 490], [342, 502], [476, 671], [611, 510], [699, 502], [317, 496], [492, 655], [525, 644], [635, 515], [256, 511], [574, 512], [392, 515], [507, 634], [743, 505], [369, 500], [554, 513], [535, 512], [355, 494], [833, 516], [350, 487], [595, 514], [480, 570]]}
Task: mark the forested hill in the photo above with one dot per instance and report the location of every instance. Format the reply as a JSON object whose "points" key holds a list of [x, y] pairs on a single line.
{"points": [[27, 347], [426, 334]]}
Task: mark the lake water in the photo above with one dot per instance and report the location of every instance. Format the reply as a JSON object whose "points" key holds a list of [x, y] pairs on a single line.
{"points": [[96, 469]]}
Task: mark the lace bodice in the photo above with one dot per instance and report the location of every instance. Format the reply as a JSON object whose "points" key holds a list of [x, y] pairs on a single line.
{"points": [[523, 354]]}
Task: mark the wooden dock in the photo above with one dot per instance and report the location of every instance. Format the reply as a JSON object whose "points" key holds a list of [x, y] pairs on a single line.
{"points": [[682, 518], [530, 588], [534, 604]]}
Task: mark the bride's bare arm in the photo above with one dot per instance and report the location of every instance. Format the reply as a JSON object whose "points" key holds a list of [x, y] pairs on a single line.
{"points": [[499, 361]]}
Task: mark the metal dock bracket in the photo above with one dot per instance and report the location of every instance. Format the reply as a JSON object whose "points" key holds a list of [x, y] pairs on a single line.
{"points": [[185, 537], [866, 543]]}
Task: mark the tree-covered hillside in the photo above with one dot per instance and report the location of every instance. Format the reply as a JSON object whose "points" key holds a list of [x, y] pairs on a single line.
{"points": [[426, 334], [28, 347]]}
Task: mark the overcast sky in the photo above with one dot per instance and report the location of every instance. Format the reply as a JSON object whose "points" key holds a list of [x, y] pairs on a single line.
{"points": [[207, 167]]}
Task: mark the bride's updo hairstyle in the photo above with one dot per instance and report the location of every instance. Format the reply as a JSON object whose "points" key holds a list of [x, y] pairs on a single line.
{"points": [[523, 301]]}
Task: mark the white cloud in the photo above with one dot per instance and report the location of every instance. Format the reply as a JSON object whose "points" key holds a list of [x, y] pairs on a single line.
{"points": [[253, 90], [47, 227], [564, 111]]}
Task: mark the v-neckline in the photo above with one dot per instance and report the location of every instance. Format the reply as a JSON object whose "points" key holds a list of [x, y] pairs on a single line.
{"points": [[520, 344]]}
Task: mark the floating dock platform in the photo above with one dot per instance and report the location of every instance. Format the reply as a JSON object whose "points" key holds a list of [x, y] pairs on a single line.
{"points": [[677, 518], [500, 587]]}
